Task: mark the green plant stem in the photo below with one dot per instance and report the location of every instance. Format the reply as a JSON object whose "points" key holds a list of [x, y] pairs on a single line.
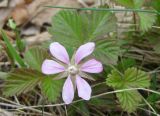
{"points": [[107, 9]]}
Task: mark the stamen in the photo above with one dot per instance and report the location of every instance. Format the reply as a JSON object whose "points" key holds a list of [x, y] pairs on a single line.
{"points": [[73, 70]]}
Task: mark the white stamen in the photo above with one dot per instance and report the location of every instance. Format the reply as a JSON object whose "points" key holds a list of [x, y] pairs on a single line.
{"points": [[72, 70]]}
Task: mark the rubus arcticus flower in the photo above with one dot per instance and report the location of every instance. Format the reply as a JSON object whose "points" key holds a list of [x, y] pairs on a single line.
{"points": [[73, 69]]}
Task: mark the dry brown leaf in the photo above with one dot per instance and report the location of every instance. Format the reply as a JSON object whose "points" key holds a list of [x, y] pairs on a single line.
{"points": [[3, 3], [20, 15], [14, 3], [4, 13], [38, 39], [41, 15]]}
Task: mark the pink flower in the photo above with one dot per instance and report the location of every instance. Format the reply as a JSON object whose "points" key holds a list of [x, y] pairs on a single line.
{"points": [[74, 69]]}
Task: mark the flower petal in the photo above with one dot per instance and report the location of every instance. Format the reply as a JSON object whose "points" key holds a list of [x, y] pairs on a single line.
{"points": [[59, 52], [92, 66], [68, 91], [51, 67], [84, 89], [83, 51]]}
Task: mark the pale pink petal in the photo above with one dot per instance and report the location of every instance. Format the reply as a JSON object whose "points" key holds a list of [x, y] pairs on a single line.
{"points": [[92, 66], [84, 89], [59, 52], [51, 67], [83, 51], [68, 91]]}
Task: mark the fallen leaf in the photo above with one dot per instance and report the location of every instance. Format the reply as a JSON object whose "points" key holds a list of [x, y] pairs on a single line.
{"points": [[20, 15], [37, 39], [40, 15], [3, 3]]}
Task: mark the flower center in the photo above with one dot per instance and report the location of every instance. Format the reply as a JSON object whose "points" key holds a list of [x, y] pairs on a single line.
{"points": [[72, 70]]}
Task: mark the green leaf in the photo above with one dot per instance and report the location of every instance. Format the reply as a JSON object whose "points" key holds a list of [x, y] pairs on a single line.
{"points": [[67, 28], [73, 29], [12, 24], [35, 56], [138, 3], [12, 50], [146, 20], [130, 3], [100, 23], [21, 81], [107, 51], [126, 3], [129, 100], [126, 63], [132, 78], [136, 78], [51, 88]]}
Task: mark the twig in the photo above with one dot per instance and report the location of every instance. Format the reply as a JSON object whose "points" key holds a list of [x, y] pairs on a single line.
{"points": [[95, 96], [16, 105], [149, 105]]}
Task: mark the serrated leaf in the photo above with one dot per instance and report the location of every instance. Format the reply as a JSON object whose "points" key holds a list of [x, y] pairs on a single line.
{"points": [[115, 80], [100, 23], [67, 28], [21, 81], [146, 20], [132, 78], [136, 78], [51, 88], [73, 29], [35, 56], [107, 51], [129, 100]]}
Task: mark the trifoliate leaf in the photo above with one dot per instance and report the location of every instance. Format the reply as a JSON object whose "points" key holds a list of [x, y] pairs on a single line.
{"points": [[51, 88], [21, 81], [132, 78], [35, 56], [146, 20]]}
